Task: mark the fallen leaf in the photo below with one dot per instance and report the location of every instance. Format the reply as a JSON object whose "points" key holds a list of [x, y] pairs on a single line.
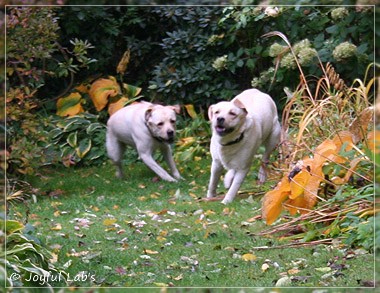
{"points": [[148, 251], [248, 257], [109, 222], [284, 282], [57, 227], [264, 267], [293, 271]]}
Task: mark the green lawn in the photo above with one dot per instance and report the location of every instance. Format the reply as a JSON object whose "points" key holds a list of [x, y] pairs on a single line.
{"points": [[142, 232]]}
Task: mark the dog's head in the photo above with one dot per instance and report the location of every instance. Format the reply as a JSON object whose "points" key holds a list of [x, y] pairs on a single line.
{"points": [[226, 117], [161, 121]]}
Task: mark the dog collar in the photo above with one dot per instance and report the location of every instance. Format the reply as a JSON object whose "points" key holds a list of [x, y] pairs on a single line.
{"points": [[234, 141]]}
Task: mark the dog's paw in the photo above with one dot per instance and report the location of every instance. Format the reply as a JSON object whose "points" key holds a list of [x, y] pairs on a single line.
{"points": [[226, 201]]}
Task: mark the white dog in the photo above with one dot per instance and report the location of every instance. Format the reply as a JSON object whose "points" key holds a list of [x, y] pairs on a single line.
{"points": [[146, 127], [239, 128]]}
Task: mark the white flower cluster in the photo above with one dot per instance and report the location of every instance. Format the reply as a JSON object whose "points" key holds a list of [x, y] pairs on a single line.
{"points": [[344, 51], [339, 13], [302, 50], [220, 63]]}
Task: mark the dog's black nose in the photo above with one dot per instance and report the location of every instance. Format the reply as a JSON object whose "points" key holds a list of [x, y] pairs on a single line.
{"points": [[170, 133], [220, 120]]}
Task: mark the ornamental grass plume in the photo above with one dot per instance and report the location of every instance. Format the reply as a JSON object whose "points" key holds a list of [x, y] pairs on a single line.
{"points": [[344, 51]]}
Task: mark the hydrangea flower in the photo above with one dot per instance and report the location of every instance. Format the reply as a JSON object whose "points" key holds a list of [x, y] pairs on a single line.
{"points": [[306, 56], [344, 51], [220, 63], [276, 49], [288, 61], [339, 13]]}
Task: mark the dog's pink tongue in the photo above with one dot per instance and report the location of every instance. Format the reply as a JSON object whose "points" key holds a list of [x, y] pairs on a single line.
{"points": [[220, 129]]}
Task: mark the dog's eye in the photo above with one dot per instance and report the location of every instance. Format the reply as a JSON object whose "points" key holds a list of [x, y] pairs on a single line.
{"points": [[172, 121], [217, 112], [160, 124], [233, 114]]}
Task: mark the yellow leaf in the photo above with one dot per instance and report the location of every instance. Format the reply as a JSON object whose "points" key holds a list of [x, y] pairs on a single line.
{"points": [[161, 238], [312, 190], [190, 110], [101, 90], [70, 105], [122, 66], [293, 271], [163, 233], [57, 213], [373, 140], [83, 88], [148, 251], [295, 205], [324, 150], [298, 183], [109, 222], [180, 277], [248, 257], [57, 227], [272, 201], [116, 106], [209, 212]]}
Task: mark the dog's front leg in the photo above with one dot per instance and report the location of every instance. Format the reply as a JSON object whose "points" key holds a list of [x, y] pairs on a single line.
{"points": [[152, 164], [216, 172], [236, 183], [168, 157]]}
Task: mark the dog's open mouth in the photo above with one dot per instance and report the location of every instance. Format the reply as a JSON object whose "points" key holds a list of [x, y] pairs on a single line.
{"points": [[221, 130]]}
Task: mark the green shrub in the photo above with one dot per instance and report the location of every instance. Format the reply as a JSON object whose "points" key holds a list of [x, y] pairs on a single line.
{"points": [[79, 139], [27, 263]]}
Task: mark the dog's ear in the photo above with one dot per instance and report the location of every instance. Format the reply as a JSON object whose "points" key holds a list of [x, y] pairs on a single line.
{"points": [[240, 105], [148, 113], [210, 112], [176, 108]]}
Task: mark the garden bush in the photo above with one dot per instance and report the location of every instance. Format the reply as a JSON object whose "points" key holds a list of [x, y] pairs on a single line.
{"points": [[187, 55]]}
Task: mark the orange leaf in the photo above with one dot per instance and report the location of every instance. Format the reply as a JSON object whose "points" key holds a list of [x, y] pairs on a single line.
{"points": [[116, 106], [298, 183], [101, 90], [373, 140], [70, 105], [292, 205], [323, 151], [272, 201], [341, 138], [311, 191]]}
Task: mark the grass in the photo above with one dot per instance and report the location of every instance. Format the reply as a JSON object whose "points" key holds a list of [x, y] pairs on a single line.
{"points": [[141, 232]]}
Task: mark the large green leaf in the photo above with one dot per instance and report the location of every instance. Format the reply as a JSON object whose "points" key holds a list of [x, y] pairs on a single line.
{"points": [[72, 139], [10, 226], [83, 148]]}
